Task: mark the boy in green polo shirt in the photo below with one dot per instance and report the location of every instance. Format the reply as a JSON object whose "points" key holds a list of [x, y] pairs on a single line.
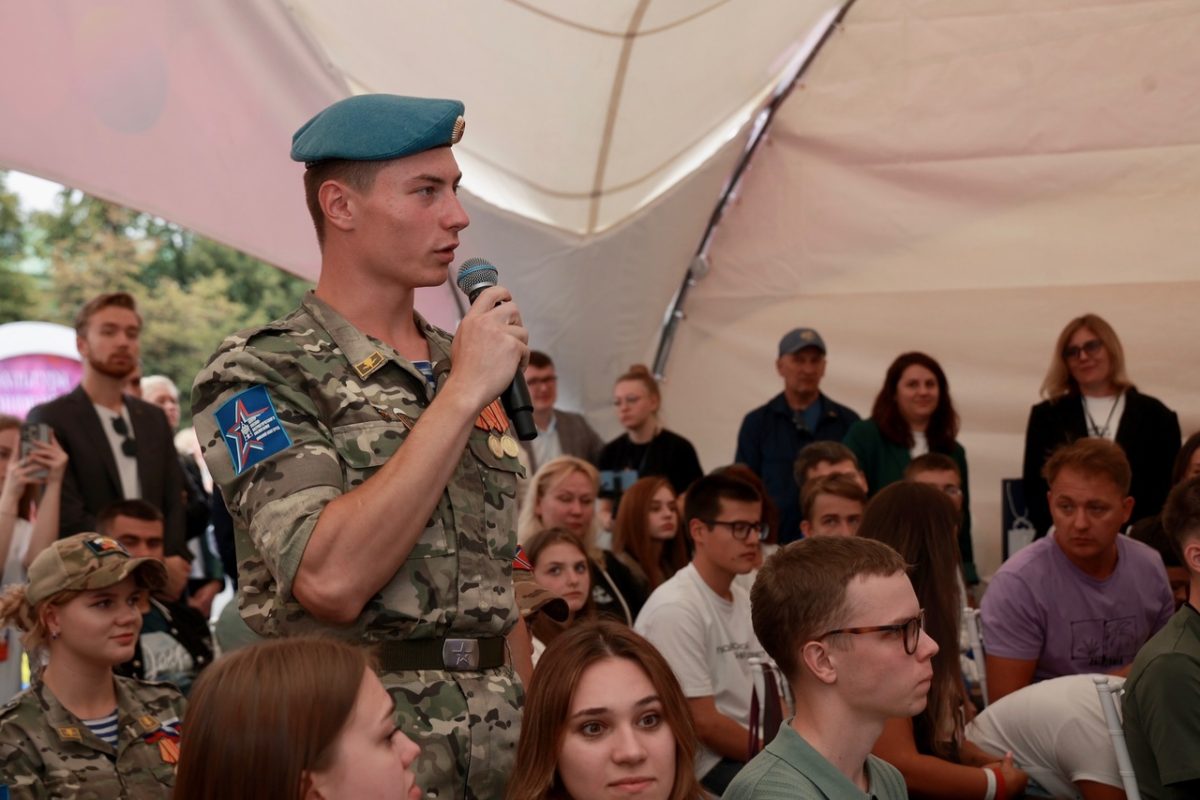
{"points": [[840, 618]]}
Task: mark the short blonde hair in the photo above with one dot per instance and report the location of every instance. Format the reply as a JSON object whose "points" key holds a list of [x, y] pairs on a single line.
{"points": [[1058, 380]]}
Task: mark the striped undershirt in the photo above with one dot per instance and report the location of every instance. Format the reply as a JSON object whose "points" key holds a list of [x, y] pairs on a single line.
{"points": [[426, 369], [105, 728]]}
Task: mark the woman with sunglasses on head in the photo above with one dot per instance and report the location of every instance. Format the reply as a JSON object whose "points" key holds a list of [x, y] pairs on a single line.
{"points": [[1088, 393], [604, 718], [920, 523], [79, 730]]}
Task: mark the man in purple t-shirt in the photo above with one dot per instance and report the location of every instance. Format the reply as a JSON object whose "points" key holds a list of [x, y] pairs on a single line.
{"points": [[1084, 599]]}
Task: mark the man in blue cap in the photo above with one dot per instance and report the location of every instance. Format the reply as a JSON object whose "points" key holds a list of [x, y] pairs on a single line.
{"points": [[773, 435], [355, 444]]}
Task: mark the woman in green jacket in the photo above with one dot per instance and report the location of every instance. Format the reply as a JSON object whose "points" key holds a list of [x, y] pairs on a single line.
{"points": [[913, 415]]}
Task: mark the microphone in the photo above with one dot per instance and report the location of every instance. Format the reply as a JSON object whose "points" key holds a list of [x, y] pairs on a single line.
{"points": [[475, 275]]}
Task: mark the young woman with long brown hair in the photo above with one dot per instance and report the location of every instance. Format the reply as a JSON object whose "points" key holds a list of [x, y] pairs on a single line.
{"points": [[647, 536], [604, 717], [302, 718], [919, 522]]}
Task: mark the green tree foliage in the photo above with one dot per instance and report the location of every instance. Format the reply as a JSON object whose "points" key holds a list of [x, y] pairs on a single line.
{"points": [[18, 291], [192, 291]]}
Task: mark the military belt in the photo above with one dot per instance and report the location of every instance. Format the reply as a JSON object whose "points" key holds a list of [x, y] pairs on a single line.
{"points": [[458, 655]]}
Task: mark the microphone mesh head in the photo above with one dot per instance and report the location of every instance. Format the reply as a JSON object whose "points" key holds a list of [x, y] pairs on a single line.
{"points": [[475, 274]]}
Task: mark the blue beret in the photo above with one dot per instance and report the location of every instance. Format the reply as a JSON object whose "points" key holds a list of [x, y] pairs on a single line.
{"points": [[376, 127]]}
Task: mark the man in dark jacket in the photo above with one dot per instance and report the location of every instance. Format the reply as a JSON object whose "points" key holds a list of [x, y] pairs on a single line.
{"points": [[772, 435]]}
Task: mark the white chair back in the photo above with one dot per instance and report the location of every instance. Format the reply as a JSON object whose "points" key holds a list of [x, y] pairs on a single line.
{"points": [[1108, 702], [975, 637]]}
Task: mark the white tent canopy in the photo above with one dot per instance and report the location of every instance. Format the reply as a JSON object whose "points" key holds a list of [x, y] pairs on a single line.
{"points": [[956, 176]]}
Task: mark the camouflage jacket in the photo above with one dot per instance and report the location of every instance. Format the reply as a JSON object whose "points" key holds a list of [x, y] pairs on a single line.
{"points": [[293, 414], [46, 751]]}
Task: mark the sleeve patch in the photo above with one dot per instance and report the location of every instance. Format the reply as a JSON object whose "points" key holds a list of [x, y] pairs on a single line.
{"points": [[251, 428]]}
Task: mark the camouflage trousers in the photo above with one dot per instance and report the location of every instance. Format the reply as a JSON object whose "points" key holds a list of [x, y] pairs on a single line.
{"points": [[467, 724]]}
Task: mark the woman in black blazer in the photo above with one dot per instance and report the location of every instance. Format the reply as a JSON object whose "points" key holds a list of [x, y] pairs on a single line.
{"points": [[1088, 394]]}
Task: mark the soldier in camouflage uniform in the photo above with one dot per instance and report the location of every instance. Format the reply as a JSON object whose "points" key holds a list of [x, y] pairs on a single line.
{"points": [[81, 601], [367, 467]]}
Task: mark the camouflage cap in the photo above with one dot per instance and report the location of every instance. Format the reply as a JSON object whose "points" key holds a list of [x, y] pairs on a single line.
{"points": [[88, 561], [377, 127]]}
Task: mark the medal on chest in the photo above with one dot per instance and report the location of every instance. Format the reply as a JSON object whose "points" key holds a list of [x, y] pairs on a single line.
{"points": [[493, 420]]}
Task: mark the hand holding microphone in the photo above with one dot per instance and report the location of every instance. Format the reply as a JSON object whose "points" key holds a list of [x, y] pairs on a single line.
{"points": [[475, 276]]}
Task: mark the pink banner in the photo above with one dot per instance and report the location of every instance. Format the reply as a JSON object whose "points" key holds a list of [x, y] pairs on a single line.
{"points": [[28, 380]]}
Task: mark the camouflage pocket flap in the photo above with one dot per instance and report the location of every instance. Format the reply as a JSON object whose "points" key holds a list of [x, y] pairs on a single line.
{"points": [[363, 445]]}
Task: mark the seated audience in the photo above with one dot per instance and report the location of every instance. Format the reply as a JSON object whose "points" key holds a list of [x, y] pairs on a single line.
{"points": [[647, 537], [559, 433], [301, 718], [604, 718], [562, 494], [921, 524], [560, 566], [772, 435], [1057, 735], [28, 524], [839, 617], [826, 458], [78, 730], [913, 415], [646, 447], [1150, 529], [700, 621], [1085, 598], [175, 644], [1088, 394], [1162, 695], [832, 506]]}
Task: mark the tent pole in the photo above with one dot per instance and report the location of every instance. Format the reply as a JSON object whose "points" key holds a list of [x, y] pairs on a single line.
{"points": [[700, 265]]}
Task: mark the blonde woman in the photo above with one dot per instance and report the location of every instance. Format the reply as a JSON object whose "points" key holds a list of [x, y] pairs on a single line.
{"points": [[562, 494], [1088, 394]]}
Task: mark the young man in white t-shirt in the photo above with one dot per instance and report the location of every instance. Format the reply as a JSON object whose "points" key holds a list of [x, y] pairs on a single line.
{"points": [[700, 621]]}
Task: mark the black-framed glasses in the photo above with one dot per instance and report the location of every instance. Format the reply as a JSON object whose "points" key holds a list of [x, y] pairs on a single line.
{"points": [[742, 529], [1091, 347], [128, 443], [911, 629], [549, 380]]}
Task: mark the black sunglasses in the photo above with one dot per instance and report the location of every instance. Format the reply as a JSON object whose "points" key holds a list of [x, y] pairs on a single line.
{"points": [[128, 443]]}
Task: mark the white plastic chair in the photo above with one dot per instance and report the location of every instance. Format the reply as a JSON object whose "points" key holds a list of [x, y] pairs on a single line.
{"points": [[1108, 702], [770, 703], [975, 637]]}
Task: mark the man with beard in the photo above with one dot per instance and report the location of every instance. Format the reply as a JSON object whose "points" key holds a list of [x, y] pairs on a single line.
{"points": [[119, 447]]}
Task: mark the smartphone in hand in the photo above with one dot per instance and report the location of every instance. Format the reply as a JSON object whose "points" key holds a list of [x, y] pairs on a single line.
{"points": [[34, 432]]}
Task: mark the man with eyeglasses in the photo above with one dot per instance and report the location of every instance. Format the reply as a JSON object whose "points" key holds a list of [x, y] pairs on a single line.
{"points": [[560, 433], [119, 447], [839, 617], [699, 620], [1085, 598]]}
